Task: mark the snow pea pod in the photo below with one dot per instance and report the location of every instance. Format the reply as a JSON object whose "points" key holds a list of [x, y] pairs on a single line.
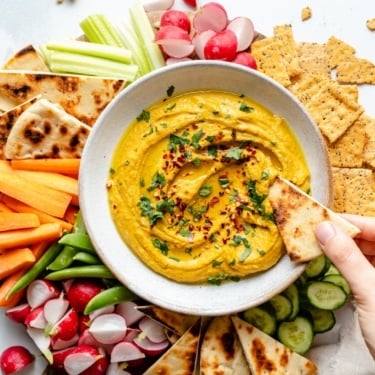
{"points": [[110, 296], [64, 259], [96, 271], [80, 241], [88, 258]]}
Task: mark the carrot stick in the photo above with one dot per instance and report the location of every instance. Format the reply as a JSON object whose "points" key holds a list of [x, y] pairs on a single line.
{"points": [[4, 207], [34, 194], [16, 220], [64, 166], [71, 214], [6, 286], [25, 237], [14, 260], [44, 218]]}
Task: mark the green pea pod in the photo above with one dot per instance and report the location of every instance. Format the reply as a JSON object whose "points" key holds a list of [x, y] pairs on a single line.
{"points": [[39, 267], [64, 259], [78, 226], [110, 296], [96, 271], [78, 240], [88, 258]]}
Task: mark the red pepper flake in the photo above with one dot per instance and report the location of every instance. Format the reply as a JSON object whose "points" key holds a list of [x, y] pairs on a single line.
{"points": [[213, 201]]}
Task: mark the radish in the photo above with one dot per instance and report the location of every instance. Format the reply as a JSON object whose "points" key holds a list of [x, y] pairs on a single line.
{"points": [[174, 41], [76, 363], [67, 327], [86, 338], [14, 359], [131, 334], [55, 308], [176, 18], [200, 40], [116, 369], [151, 348], [42, 341], [83, 323], [81, 291], [108, 328], [40, 291], [151, 5], [59, 344], [246, 59], [104, 310], [192, 3], [98, 368], [152, 330], [125, 352], [211, 16], [59, 356], [18, 313], [128, 311], [175, 60], [222, 46], [35, 318], [243, 28]]}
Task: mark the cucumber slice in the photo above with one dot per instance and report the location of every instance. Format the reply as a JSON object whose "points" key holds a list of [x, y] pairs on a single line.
{"points": [[317, 267], [292, 294], [323, 320], [325, 295], [338, 280], [262, 317], [282, 306], [332, 270], [297, 334]]}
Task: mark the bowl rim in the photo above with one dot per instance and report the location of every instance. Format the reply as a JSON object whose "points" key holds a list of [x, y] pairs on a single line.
{"points": [[102, 231]]}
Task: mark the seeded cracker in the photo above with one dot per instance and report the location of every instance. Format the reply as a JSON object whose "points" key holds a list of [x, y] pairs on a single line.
{"points": [[371, 24], [337, 51], [313, 58], [306, 13], [369, 149]]}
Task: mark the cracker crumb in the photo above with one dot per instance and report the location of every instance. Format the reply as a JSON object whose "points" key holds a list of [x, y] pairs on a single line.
{"points": [[371, 24], [306, 13]]}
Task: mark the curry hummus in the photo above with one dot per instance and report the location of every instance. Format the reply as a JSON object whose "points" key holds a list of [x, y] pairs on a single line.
{"points": [[189, 182]]}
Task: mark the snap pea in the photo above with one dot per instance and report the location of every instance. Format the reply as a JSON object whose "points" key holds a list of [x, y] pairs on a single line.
{"points": [[96, 271], [79, 226], [64, 259], [80, 241], [88, 258], [110, 296], [36, 269]]}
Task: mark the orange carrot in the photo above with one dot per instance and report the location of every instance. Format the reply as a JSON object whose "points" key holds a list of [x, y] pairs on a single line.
{"points": [[24, 237], [3, 206], [14, 260], [44, 218], [71, 214], [34, 194], [5, 288], [16, 220], [64, 166]]}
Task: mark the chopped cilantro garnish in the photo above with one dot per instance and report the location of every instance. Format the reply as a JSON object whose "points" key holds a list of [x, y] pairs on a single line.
{"points": [[144, 116], [245, 108], [158, 181], [161, 245], [176, 141], [216, 263], [170, 90], [205, 190], [196, 138], [234, 153]]}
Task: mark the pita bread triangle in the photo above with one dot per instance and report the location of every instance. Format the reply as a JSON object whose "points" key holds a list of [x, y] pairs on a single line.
{"points": [[296, 215], [181, 357], [267, 356], [221, 352], [26, 58]]}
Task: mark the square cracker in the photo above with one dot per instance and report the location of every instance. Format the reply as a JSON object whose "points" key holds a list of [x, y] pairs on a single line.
{"points": [[369, 148], [337, 51], [313, 58]]}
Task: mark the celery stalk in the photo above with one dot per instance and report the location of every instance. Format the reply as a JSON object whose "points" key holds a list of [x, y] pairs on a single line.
{"points": [[91, 49]]}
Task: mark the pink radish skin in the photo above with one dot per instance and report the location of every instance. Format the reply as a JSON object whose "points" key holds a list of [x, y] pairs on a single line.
{"points": [[152, 330], [125, 352], [170, 32], [67, 327], [174, 41], [246, 59], [14, 359], [211, 16], [36, 319], [131, 334], [129, 312], [58, 344], [76, 363], [55, 308], [243, 28], [222, 46], [176, 18], [18, 313], [200, 40], [177, 49], [81, 291], [83, 323], [98, 368], [86, 338], [60, 355], [108, 328], [40, 291], [151, 348]]}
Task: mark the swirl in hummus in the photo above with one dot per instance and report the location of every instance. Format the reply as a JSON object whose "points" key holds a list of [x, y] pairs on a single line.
{"points": [[189, 182]]}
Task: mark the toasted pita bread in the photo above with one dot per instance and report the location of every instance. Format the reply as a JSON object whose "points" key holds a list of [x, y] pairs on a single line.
{"points": [[267, 356], [181, 358], [84, 97], [7, 121], [27, 58], [176, 322], [296, 215], [221, 352], [45, 130]]}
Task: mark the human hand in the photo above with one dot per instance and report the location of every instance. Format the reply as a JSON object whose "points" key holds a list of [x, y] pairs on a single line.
{"points": [[355, 259]]}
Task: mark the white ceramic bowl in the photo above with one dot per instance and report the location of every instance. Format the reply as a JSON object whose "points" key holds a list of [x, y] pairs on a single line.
{"points": [[203, 299]]}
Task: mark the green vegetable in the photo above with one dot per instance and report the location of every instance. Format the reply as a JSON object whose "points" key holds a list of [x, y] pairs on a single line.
{"points": [[84, 257], [262, 317], [64, 259], [110, 296], [77, 240], [96, 271]]}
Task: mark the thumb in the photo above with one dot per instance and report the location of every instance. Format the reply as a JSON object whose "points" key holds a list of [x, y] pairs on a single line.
{"points": [[346, 256]]}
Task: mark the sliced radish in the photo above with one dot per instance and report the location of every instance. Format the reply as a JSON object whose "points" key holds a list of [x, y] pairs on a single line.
{"points": [[222, 46], [151, 5], [200, 40], [211, 16], [152, 330], [18, 313], [176, 60], [131, 334], [36, 318], [174, 41], [59, 356], [243, 28], [67, 327], [126, 351], [58, 344], [176, 18], [177, 49], [86, 338], [129, 312], [55, 308], [108, 328], [151, 348], [98, 368], [246, 59], [76, 363], [104, 310], [40, 291], [14, 359], [171, 32], [83, 323], [81, 291], [42, 342]]}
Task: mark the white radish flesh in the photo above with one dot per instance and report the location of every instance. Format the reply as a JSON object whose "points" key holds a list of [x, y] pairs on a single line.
{"points": [[126, 351], [211, 16], [128, 310], [104, 310], [151, 348], [55, 308], [176, 60], [58, 344], [200, 40], [36, 319], [108, 328], [177, 49], [243, 28], [152, 5], [76, 363], [152, 330], [39, 292], [18, 313], [42, 342]]}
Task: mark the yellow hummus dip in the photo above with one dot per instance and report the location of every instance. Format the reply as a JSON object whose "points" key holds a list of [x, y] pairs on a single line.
{"points": [[189, 182]]}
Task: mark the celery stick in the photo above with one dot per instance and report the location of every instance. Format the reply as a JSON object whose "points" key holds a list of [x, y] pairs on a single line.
{"points": [[64, 62], [98, 29], [91, 49]]}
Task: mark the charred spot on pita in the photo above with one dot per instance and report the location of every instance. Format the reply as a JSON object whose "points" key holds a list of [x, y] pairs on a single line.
{"points": [[227, 340], [259, 352], [35, 136]]}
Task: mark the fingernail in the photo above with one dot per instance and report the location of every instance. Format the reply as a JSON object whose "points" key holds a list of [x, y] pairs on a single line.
{"points": [[324, 232]]}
